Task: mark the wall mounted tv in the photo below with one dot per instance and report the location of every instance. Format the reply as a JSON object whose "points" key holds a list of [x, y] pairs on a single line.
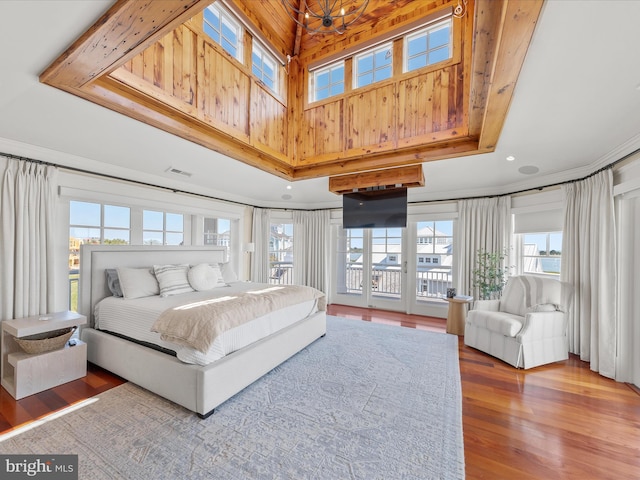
{"points": [[375, 209]]}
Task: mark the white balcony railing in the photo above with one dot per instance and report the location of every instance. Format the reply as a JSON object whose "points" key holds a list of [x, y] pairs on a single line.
{"points": [[386, 281]]}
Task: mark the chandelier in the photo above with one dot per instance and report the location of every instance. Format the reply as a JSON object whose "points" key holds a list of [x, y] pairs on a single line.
{"points": [[325, 16]]}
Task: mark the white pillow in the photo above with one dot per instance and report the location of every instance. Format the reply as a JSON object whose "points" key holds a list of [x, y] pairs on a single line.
{"points": [[204, 277], [228, 274], [172, 279], [137, 282]]}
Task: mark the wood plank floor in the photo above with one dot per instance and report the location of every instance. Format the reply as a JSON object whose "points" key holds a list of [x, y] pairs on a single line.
{"points": [[560, 421]]}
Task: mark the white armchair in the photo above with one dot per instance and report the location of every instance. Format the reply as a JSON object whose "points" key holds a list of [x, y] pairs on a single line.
{"points": [[527, 326]]}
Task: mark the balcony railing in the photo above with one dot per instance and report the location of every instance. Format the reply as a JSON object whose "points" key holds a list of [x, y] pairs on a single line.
{"points": [[281, 273], [386, 281]]}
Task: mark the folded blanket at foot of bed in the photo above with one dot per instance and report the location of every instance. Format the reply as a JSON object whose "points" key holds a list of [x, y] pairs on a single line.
{"points": [[198, 324]]}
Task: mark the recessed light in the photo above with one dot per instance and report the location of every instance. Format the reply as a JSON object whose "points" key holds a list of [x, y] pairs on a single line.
{"points": [[289, 187], [510, 158], [286, 196]]}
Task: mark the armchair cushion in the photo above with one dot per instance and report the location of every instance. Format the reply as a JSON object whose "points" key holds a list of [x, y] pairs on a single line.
{"points": [[523, 292], [542, 307], [503, 323]]}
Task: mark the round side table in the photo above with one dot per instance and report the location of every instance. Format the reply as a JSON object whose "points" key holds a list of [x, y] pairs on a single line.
{"points": [[457, 314]]}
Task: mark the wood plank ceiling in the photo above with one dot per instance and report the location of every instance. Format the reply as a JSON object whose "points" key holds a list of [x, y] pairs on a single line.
{"points": [[152, 61]]}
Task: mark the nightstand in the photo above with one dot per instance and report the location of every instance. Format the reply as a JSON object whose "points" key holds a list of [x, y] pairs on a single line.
{"points": [[24, 374]]}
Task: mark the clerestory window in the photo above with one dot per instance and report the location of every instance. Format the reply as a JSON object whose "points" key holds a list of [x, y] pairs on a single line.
{"points": [[224, 29]]}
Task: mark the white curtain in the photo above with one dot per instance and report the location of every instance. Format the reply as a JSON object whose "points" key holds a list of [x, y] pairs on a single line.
{"points": [[483, 224], [589, 264], [260, 235], [310, 248], [628, 359], [27, 239]]}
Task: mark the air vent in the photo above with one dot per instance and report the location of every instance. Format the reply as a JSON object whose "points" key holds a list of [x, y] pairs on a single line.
{"points": [[177, 171]]}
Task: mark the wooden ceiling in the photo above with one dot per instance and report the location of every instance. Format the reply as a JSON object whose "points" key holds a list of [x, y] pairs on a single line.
{"points": [[101, 66]]}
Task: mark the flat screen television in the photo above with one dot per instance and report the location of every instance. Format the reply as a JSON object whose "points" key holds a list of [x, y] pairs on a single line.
{"points": [[375, 209]]}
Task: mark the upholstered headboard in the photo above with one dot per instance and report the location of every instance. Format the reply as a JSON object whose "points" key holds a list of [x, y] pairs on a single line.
{"points": [[94, 259]]}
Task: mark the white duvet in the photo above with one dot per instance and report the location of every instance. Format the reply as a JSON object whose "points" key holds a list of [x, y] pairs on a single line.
{"points": [[134, 317]]}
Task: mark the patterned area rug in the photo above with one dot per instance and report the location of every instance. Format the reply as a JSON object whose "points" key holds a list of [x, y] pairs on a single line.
{"points": [[368, 401]]}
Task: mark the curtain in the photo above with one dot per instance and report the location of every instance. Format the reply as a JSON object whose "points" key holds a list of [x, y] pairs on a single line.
{"points": [[589, 264], [628, 359], [483, 224], [27, 251], [260, 233], [310, 248]]}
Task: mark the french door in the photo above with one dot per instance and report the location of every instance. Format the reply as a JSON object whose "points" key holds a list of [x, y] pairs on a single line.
{"points": [[370, 268], [402, 269]]}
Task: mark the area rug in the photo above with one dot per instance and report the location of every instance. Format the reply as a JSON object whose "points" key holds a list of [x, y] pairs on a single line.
{"points": [[367, 401]]}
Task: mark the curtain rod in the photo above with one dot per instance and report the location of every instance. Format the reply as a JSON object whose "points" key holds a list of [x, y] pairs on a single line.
{"points": [[566, 182], [138, 182], [210, 197]]}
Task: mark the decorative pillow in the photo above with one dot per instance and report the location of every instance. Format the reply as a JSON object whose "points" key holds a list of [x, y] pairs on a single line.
{"points": [[137, 282], [113, 282], [204, 277], [172, 279], [542, 307], [228, 274]]}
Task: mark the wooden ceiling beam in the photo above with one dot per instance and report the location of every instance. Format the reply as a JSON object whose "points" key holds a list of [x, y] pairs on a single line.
{"points": [[519, 19], [409, 176], [125, 30]]}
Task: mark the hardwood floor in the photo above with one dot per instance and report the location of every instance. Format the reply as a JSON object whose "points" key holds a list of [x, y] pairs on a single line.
{"points": [[14, 414], [559, 421]]}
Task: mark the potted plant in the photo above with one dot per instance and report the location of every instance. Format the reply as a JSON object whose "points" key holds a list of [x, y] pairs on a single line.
{"points": [[490, 274]]}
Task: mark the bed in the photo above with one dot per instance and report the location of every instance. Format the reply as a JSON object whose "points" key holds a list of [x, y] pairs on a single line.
{"points": [[199, 388]]}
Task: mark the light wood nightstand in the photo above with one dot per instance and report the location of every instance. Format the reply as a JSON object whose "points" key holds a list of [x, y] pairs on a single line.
{"points": [[24, 374]]}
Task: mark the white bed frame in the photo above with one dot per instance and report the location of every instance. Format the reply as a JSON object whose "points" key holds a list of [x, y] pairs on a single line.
{"points": [[199, 388]]}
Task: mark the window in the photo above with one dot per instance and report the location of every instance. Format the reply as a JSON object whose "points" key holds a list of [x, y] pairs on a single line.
{"points": [[223, 29], [281, 253], [542, 253], [264, 66], [93, 223], [373, 66], [162, 228], [428, 46], [327, 82], [217, 231]]}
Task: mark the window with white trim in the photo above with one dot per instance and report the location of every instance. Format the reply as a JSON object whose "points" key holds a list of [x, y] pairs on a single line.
{"points": [[162, 228], [217, 231], [224, 29], [327, 82], [281, 253], [373, 65], [541, 253], [93, 224], [264, 66], [428, 46]]}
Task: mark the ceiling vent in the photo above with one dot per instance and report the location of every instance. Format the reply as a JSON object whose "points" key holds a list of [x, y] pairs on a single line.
{"points": [[177, 171]]}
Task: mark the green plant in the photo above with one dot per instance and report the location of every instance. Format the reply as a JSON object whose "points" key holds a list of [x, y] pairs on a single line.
{"points": [[490, 274]]}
